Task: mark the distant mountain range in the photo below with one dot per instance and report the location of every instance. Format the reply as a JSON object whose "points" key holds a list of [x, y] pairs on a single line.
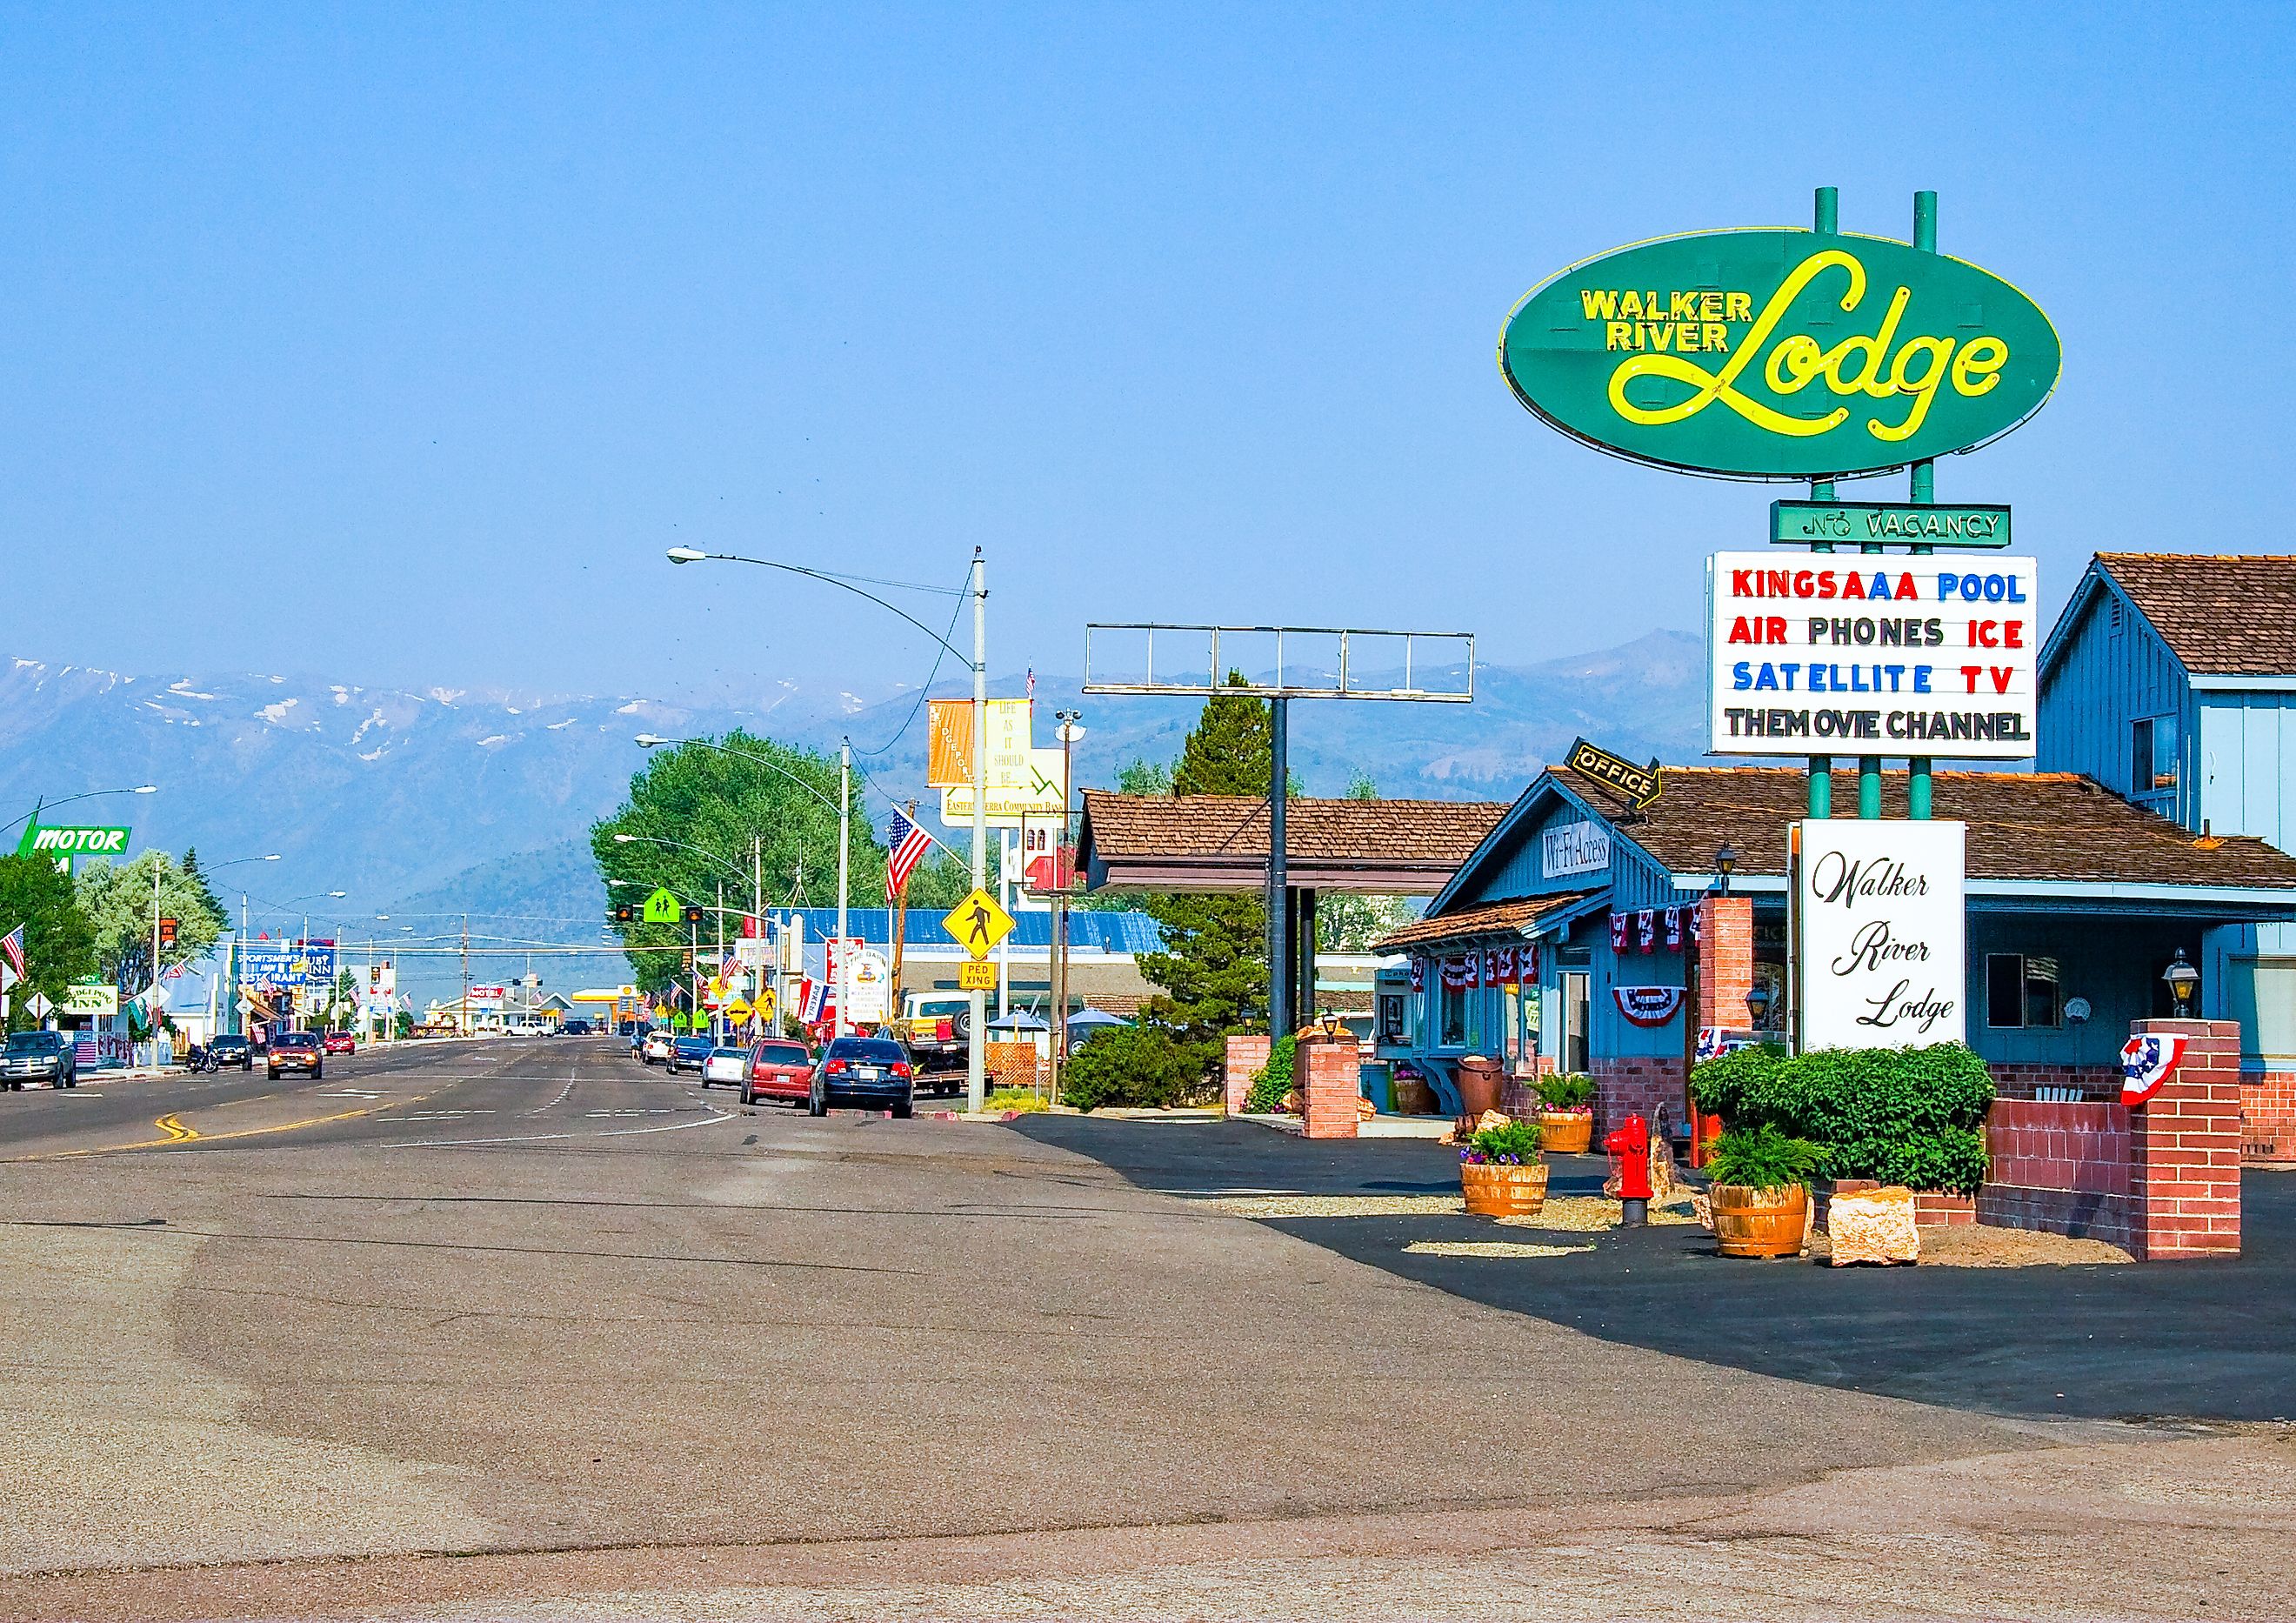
{"points": [[425, 804]]}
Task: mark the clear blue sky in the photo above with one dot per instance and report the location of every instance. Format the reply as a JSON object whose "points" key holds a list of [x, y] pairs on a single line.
{"points": [[394, 343]]}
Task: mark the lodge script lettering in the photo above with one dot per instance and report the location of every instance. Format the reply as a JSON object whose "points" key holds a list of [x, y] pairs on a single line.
{"points": [[1874, 952]]}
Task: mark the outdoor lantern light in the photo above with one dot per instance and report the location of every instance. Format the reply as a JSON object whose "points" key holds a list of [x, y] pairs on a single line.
{"points": [[1758, 1001], [2182, 977], [1725, 863]]}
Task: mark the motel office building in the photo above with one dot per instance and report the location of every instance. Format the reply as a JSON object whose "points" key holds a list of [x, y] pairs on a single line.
{"points": [[1566, 941]]}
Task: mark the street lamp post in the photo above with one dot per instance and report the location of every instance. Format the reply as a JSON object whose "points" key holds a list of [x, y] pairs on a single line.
{"points": [[44, 804], [238, 965], [1070, 733], [976, 1068]]}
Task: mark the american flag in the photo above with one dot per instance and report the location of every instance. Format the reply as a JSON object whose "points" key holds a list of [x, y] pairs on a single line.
{"points": [[13, 944], [908, 843]]}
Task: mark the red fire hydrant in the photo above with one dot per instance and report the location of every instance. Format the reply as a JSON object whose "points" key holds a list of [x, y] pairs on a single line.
{"points": [[1629, 1148]]}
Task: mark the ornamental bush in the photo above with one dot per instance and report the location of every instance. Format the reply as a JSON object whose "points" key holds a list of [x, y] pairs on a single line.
{"points": [[1566, 1092], [1273, 1080], [1910, 1116], [1513, 1144], [1136, 1065]]}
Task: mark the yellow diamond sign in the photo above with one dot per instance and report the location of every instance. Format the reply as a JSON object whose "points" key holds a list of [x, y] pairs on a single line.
{"points": [[977, 923], [738, 1010]]}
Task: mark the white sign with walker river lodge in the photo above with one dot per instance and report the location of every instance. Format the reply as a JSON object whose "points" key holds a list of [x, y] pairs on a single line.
{"points": [[1819, 654], [1882, 921]]}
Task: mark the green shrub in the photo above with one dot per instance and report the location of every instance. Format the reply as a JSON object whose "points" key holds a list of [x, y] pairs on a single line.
{"points": [[1514, 1144], [1138, 1066], [1566, 1093], [1014, 1099], [1763, 1158], [1274, 1079], [1910, 1116]]}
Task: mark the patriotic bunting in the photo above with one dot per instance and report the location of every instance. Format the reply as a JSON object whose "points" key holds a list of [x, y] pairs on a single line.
{"points": [[2146, 1062], [1674, 929], [1619, 922], [1648, 1005]]}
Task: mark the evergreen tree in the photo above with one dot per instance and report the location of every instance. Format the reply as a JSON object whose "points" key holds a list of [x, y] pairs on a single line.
{"points": [[196, 877], [1214, 968]]}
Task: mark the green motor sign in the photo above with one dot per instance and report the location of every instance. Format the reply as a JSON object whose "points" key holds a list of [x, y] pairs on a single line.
{"points": [[65, 844], [1773, 354]]}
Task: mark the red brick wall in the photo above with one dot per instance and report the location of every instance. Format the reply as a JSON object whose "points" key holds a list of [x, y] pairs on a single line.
{"points": [[2187, 1146], [2022, 1081], [2267, 1115], [1245, 1055], [1725, 962], [1648, 1085], [2162, 1180], [1330, 1083]]}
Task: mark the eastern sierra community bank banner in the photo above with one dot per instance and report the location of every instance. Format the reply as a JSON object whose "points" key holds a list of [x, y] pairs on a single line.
{"points": [[1871, 654], [1878, 910]]}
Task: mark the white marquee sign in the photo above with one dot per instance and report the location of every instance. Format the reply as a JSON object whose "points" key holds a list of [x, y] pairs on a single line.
{"points": [[1882, 920]]}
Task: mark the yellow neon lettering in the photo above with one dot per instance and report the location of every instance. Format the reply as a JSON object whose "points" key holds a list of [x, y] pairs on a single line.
{"points": [[1600, 304], [1739, 307], [1631, 304], [1924, 388], [1709, 307], [1618, 334], [1682, 306], [1713, 335], [1873, 347], [1978, 367], [1709, 387]]}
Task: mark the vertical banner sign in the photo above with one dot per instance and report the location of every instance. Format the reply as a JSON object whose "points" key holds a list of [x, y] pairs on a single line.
{"points": [[1882, 921], [1882, 655]]}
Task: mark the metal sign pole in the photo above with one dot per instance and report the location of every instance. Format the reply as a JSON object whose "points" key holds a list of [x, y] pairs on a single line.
{"points": [[976, 1048], [1922, 490], [1280, 1021]]}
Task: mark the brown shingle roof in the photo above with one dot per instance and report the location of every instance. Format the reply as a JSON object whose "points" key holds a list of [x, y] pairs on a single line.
{"points": [[2023, 825], [1484, 919], [2226, 615]]}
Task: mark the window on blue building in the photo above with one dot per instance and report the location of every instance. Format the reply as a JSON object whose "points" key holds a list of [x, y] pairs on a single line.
{"points": [[2023, 992], [2152, 756]]}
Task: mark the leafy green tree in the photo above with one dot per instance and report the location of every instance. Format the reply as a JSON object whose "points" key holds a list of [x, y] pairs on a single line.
{"points": [[59, 943], [1213, 972], [117, 899], [715, 802]]}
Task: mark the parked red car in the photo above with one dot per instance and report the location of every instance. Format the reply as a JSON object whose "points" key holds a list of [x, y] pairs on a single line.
{"points": [[339, 1042], [778, 1069]]}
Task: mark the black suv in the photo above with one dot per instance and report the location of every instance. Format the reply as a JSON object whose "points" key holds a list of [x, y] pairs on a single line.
{"points": [[231, 1049], [39, 1056]]}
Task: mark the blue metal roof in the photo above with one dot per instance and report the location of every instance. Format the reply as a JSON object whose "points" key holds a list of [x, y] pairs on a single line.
{"points": [[1089, 930]]}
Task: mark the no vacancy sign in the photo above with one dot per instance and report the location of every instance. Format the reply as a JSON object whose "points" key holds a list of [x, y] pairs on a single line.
{"points": [[1848, 654], [1881, 922]]}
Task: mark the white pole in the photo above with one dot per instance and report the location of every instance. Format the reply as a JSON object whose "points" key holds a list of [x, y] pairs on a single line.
{"points": [[976, 1058], [152, 1007], [1004, 900], [844, 876]]}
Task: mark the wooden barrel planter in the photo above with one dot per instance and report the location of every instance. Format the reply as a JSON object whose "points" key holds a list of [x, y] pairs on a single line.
{"points": [[1759, 1221], [1566, 1132], [1495, 1189]]}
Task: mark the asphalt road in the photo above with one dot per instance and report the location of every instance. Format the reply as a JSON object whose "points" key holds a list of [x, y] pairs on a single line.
{"points": [[524, 1329], [2212, 1340]]}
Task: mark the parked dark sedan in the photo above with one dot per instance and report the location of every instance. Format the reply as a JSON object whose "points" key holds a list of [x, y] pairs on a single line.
{"points": [[39, 1056], [689, 1053], [868, 1073]]}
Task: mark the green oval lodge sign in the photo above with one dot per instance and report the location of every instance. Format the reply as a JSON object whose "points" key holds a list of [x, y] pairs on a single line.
{"points": [[1775, 354]]}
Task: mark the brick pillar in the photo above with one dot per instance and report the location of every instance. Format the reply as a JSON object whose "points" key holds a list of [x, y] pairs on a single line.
{"points": [[2184, 1148], [1330, 1077], [1245, 1055], [1725, 961]]}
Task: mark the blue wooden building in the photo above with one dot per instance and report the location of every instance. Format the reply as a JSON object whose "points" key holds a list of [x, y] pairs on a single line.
{"points": [[2171, 678], [1556, 941]]}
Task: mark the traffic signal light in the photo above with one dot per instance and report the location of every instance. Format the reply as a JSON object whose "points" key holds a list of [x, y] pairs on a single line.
{"points": [[623, 916], [693, 915], [167, 932]]}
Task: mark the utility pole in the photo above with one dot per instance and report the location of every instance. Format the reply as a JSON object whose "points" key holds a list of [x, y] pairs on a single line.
{"points": [[976, 1058], [463, 1021], [1070, 732], [844, 880], [152, 1007]]}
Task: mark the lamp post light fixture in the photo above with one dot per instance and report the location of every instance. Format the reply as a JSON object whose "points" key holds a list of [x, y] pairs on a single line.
{"points": [[2182, 979], [1725, 863]]}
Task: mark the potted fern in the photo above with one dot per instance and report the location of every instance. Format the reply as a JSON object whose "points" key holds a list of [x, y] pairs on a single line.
{"points": [[1500, 1173], [1759, 1198], [1566, 1113]]}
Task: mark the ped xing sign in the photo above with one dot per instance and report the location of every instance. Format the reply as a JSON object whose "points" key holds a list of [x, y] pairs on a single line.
{"points": [[1778, 354], [1881, 922], [1891, 655]]}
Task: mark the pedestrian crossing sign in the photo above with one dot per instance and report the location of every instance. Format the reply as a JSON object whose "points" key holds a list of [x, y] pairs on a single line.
{"points": [[977, 923], [662, 907]]}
